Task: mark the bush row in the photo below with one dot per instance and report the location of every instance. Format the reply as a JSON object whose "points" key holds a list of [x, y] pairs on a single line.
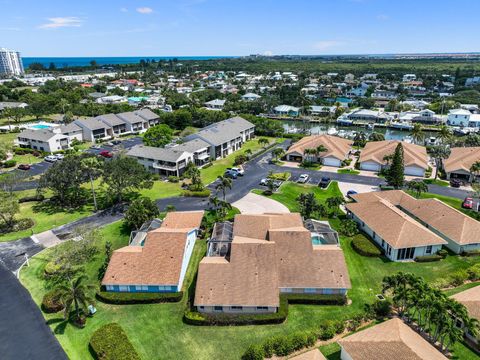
{"points": [[365, 246], [127, 298], [284, 345], [203, 193], [110, 342], [202, 319], [428, 258], [9, 163], [471, 253], [38, 197]]}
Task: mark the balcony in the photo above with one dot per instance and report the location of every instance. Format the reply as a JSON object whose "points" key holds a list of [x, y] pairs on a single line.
{"points": [[164, 166]]}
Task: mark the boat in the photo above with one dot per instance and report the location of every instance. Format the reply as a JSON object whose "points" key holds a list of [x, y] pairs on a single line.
{"points": [[402, 125], [371, 126], [408, 139], [332, 131]]}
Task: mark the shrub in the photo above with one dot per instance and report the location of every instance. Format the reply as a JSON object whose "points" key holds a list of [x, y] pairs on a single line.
{"points": [[155, 177], [428, 258], [38, 197], [443, 253], [173, 179], [379, 309], [365, 246], [207, 165], [110, 342], [458, 277], [202, 193], [127, 298], [254, 352], [240, 159], [475, 252], [346, 162], [474, 272], [51, 268], [348, 228], [339, 326], [9, 163], [51, 302]]}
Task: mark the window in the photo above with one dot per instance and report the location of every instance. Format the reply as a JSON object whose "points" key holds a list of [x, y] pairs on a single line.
{"points": [[236, 307], [201, 307], [123, 288], [262, 307], [217, 308], [383, 243], [310, 290], [429, 249]]}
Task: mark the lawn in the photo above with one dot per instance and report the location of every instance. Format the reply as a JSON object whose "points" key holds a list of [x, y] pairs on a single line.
{"points": [[331, 351], [211, 173], [436, 182], [348, 171], [6, 139]]}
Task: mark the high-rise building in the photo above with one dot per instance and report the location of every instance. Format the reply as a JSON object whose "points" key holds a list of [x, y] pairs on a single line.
{"points": [[10, 62]]}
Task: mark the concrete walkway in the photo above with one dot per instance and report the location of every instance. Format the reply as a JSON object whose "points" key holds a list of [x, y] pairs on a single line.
{"points": [[258, 204], [46, 239]]}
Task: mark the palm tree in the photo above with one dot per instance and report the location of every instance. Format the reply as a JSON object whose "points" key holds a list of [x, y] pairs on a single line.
{"points": [[224, 207], [359, 139], [475, 170], [278, 153], [444, 134], [263, 142], [321, 149], [418, 187], [77, 294], [439, 153], [223, 184], [417, 133], [93, 168], [311, 153], [334, 203]]}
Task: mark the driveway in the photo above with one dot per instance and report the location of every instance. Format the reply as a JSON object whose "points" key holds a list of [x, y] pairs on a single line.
{"points": [[23, 331], [257, 204], [359, 188]]}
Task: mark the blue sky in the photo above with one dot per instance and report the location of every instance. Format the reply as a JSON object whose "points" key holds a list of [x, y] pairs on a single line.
{"points": [[237, 27]]}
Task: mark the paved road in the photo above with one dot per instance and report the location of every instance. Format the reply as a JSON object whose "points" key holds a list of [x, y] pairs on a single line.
{"points": [[23, 331]]}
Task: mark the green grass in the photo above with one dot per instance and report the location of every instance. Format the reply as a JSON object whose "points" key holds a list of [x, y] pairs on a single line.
{"points": [[6, 139], [348, 171], [331, 351], [461, 288], [436, 182], [211, 173]]}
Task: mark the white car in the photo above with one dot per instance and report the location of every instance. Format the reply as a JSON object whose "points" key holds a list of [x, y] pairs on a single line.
{"points": [[239, 171], [50, 158], [59, 156], [303, 178]]}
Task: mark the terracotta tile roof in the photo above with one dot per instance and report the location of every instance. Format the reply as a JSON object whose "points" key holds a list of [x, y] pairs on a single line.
{"points": [[159, 261], [389, 340], [314, 354], [336, 147], [471, 299], [393, 225], [461, 158], [451, 222], [412, 154], [268, 252]]}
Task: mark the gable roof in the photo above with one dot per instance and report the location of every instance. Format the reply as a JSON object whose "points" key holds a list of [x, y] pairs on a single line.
{"points": [[222, 131], [39, 135], [392, 339], [146, 114], [91, 123], [110, 119], [413, 155], [471, 299], [131, 118], [151, 152], [461, 158], [336, 147], [159, 261]]}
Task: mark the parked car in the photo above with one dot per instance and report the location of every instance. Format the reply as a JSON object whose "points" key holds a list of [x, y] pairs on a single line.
{"points": [[116, 142], [96, 147], [238, 170], [324, 182], [350, 193], [455, 183], [230, 174], [24, 167], [303, 178], [60, 156], [106, 154], [263, 182], [467, 203], [50, 158]]}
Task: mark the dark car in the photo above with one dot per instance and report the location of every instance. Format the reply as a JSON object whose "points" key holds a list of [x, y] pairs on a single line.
{"points": [[116, 142], [230, 174], [455, 183], [350, 193], [24, 167], [324, 182], [106, 154]]}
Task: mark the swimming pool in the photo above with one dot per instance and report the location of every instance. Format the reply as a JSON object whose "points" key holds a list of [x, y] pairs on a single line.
{"points": [[318, 240], [40, 127]]}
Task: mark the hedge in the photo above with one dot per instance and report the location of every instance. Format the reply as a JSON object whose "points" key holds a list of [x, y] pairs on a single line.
{"points": [[38, 197], [127, 298], [202, 319], [203, 193], [9, 163], [365, 246], [51, 302], [471, 253], [428, 258], [110, 342]]}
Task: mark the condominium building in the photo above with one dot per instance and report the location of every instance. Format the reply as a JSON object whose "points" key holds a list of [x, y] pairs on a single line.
{"points": [[10, 62]]}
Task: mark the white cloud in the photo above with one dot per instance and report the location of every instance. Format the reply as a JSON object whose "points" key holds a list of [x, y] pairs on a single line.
{"points": [[268, 53], [144, 10], [58, 22], [327, 44], [383, 17], [123, 9]]}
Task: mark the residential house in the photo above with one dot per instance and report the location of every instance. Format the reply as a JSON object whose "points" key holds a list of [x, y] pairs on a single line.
{"points": [[286, 110], [135, 123], [72, 131], [458, 164], [149, 116], [472, 81], [250, 97], [216, 104], [373, 157], [409, 77], [392, 339], [94, 129], [358, 91], [159, 261], [464, 118], [384, 95], [322, 110], [425, 116], [117, 125], [470, 298], [460, 232], [225, 137], [268, 255], [337, 150], [365, 115]]}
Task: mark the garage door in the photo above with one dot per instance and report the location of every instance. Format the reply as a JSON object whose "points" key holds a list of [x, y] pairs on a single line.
{"points": [[414, 171], [370, 166], [331, 162]]}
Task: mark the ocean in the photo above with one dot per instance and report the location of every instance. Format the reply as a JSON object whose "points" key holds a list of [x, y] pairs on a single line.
{"points": [[61, 62]]}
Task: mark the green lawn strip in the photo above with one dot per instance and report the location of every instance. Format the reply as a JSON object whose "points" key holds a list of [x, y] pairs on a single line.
{"points": [[211, 173], [6, 139], [331, 351], [461, 351], [461, 288], [348, 171], [436, 182]]}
